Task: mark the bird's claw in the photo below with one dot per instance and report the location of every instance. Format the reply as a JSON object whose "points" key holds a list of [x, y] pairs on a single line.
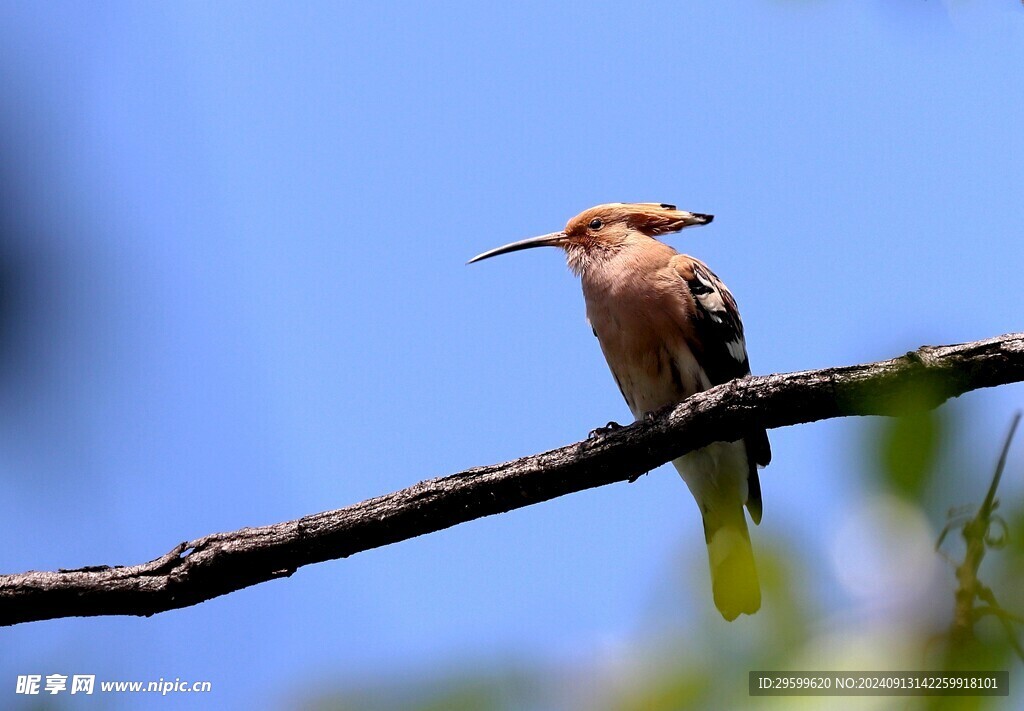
{"points": [[601, 431]]}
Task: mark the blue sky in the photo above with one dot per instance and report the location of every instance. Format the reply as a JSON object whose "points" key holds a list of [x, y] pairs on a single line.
{"points": [[241, 231]]}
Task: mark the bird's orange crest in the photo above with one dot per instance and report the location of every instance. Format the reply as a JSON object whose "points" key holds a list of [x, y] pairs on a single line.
{"points": [[650, 218]]}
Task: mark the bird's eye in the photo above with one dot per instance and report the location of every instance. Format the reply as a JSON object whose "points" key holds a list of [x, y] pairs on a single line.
{"points": [[596, 224]]}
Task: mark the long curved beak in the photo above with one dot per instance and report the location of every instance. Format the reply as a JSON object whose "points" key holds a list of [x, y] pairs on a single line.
{"points": [[553, 239]]}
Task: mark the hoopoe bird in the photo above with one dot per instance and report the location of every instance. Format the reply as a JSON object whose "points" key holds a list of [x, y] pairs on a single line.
{"points": [[670, 328]]}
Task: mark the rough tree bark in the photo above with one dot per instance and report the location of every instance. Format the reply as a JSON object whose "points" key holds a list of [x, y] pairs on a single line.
{"points": [[220, 563]]}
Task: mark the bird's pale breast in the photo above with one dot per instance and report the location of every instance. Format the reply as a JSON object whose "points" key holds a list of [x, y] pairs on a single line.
{"points": [[641, 327]]}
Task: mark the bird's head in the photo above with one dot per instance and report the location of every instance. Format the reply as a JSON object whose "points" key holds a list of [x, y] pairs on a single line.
{"points": [[606, 228]]}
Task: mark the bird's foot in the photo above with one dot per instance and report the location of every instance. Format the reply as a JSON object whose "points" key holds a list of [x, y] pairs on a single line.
{"points": [[601, 431]]}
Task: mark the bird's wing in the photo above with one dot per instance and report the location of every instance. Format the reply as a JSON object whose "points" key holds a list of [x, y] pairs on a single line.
{"points": [[718, 333], [718, 345]]}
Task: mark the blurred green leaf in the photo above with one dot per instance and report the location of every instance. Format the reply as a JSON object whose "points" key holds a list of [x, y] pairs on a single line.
{"points": [[666, 692], [469, 696], [908, 446], [470, 689]]}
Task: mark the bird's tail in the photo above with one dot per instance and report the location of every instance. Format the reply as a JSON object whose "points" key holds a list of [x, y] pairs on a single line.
{"points": [[718, 478], [731, 557]]}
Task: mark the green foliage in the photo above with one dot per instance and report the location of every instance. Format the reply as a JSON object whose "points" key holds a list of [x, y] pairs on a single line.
{"points": [[908, 447], [480, 689]]}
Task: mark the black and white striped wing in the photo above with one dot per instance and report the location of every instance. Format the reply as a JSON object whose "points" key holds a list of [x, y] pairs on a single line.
{"points": [[720, 349]]}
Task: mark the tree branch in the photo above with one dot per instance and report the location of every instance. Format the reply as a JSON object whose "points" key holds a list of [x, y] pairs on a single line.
{"points": [[221, 563]]}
